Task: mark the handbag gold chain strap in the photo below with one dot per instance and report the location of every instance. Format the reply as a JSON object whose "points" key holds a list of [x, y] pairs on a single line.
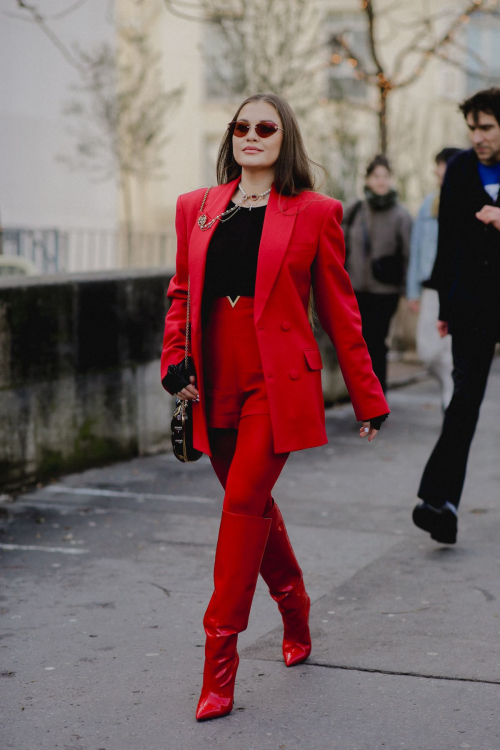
{"points": [[188, 312], [186, 344], [205, 198]]}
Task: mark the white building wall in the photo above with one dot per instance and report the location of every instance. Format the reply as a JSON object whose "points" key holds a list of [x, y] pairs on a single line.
{"points": [[35, 189], [195, 127]]}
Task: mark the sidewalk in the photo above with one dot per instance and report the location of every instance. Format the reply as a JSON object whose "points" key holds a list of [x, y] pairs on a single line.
{"points": [[102, 639]]}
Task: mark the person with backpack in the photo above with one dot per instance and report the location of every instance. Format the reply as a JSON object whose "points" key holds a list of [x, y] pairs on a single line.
{"points": [[377, 236]]}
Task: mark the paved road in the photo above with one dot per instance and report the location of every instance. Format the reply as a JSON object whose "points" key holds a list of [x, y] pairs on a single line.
{"points": [[102, 642]]}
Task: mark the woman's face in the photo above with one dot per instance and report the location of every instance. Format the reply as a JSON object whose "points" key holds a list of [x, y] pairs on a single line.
{"points": [[379, 181], [252, 152]]}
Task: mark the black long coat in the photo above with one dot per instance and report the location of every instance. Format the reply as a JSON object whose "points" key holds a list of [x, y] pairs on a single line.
{"points": [[467, 268]]}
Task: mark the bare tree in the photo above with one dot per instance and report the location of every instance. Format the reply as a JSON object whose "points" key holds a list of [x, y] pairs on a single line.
{"points": [[120, 113], [427, 35], [29, 11], [258, 46]]}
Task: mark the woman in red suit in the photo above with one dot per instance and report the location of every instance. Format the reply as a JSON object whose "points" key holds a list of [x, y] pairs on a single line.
{"points": [[255, 252]]}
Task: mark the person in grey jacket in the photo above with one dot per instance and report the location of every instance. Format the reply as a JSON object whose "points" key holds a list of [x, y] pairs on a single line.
{"points": [[377, 237], [433, 350]]}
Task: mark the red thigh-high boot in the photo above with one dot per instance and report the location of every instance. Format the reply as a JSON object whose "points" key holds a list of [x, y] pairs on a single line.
{"points": [[281, 571], [238, 558]]}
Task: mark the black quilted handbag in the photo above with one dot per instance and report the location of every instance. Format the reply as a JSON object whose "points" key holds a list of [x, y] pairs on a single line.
{"points": [[182, 421], [182, 432]]}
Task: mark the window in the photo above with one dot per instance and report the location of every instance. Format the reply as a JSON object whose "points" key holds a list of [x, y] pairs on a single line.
{"points": [[222, 74], [483, 51]]}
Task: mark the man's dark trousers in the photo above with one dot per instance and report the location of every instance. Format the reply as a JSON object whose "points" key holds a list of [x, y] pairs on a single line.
{"points": [[444, 476]]}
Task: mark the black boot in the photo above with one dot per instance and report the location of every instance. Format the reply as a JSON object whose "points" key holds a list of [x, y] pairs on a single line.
{"points": [[441, 523]]}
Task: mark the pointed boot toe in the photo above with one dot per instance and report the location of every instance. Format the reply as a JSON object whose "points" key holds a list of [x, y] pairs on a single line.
{"points": [[295, 654], [213, 706], [216, 697]]}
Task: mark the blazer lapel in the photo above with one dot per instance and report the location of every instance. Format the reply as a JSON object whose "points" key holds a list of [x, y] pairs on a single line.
{"points": [[216, 203], [277, 230]]}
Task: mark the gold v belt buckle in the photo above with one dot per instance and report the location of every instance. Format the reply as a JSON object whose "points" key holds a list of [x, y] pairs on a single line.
{"points": [[231, 301]]}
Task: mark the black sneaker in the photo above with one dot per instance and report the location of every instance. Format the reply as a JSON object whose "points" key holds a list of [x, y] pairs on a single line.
{"points": [[441, 523]]}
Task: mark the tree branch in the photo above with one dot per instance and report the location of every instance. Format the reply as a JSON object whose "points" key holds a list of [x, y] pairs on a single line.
{"points": [[371, 35], [432, 50], [40, 22]]}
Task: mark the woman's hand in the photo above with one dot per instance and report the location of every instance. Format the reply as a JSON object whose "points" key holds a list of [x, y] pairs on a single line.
{"points": [[368, 431], [189, 393]]}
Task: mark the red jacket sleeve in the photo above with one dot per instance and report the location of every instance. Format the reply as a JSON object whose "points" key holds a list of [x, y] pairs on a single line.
{"points": [[338, 313], [174, 338]]}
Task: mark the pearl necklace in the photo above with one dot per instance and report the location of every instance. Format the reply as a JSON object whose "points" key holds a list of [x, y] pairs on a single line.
{"points": [[253, 196]]}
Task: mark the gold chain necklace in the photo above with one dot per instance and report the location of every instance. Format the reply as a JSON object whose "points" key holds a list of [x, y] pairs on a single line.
{"points": [[203, 222]]}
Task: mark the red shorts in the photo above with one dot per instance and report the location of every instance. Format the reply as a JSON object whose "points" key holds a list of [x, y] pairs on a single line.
{"points": [[232, 368]]}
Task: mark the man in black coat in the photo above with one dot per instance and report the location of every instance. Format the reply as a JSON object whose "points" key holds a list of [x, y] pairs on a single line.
{"points": [[467, 277]]}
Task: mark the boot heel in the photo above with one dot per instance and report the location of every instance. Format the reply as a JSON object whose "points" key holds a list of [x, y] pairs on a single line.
{"points": [[282, 573], [296, 638]]}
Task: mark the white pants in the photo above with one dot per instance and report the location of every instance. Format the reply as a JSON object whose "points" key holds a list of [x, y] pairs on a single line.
{"points": [[434, 351]]}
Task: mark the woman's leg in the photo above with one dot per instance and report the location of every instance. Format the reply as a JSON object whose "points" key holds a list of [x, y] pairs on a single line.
{"points": [[282, 573], [254, 469], [279, 569], [223, 446], [243, 536]]}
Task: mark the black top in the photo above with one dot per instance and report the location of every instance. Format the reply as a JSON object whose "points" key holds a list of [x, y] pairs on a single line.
{"points": [[231, 267]]}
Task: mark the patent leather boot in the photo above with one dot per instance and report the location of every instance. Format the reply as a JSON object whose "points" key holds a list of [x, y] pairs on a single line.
{"points": [[238, 557], [282, 573]]}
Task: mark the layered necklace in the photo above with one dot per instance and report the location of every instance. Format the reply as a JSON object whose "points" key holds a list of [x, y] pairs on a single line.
{"points": [[230, 212], [253, 196]]}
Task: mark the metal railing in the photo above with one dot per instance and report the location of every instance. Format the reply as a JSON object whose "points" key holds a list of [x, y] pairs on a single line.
{"points": [[72, 250]]}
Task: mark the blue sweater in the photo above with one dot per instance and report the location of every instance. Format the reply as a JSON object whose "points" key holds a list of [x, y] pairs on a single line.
{"points": [[423, 248]]}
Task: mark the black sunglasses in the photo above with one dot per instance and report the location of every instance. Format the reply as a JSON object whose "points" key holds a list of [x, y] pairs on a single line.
{"points": [[263, 129]]}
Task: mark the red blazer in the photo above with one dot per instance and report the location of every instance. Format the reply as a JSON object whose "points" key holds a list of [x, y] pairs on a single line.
{"points": [[302, 244]]}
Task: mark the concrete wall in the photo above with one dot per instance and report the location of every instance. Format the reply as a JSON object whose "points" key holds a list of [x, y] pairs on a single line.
{"points": [[79, 372]]}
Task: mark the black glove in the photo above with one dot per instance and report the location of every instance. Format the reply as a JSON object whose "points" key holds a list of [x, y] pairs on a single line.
{"points": [[177, 376], [376, 422]]}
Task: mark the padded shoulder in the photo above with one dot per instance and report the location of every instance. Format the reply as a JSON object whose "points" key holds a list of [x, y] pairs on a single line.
{"points": [[194, 197], [316, 204]]}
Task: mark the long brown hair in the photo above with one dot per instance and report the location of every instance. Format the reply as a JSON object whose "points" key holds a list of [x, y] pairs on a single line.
{"points": [[293, 171]]}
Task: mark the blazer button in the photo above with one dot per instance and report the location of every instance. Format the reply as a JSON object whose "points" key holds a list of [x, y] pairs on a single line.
{"points": [[286, 325], [294, 375]]}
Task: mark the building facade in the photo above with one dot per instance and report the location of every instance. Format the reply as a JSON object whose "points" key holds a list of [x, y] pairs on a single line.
{"points": [[335, 105]]}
